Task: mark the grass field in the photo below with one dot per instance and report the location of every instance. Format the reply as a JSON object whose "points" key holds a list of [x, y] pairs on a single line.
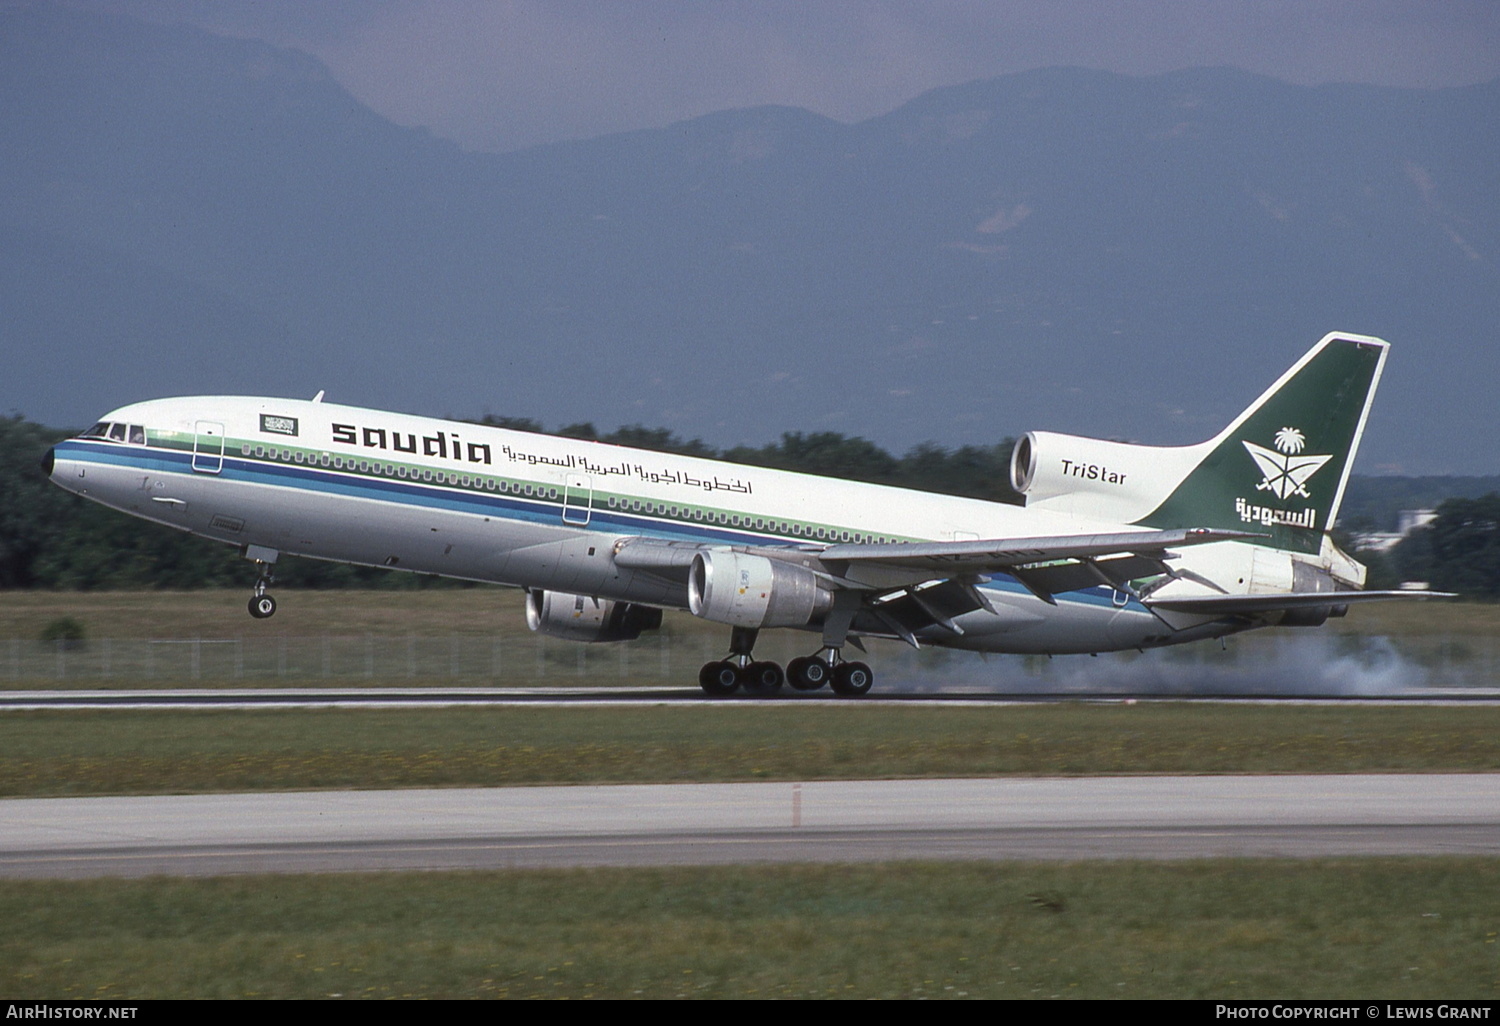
{"points": [[490, 611], [221, 614], [1370, 928], [121, 752]]}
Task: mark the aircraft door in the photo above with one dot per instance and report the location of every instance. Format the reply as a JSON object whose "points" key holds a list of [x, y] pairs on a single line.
{"points": [[578, 499], [208, 447]]}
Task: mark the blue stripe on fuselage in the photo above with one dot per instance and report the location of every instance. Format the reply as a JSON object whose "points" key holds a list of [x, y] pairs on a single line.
{"points": [[407, 492], [410, 493]]}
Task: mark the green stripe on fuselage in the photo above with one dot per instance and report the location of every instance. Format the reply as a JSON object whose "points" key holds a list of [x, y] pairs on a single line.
{"points": [[465, 477]]}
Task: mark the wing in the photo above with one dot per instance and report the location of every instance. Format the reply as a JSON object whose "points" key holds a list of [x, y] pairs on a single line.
{"points": [[1046, 566]]}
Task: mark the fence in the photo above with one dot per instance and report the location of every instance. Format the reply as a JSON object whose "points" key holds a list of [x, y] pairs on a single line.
{"points": [[371, 658], [1271, 663]]}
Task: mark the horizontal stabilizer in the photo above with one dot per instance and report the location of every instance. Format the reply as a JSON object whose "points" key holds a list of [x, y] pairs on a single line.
{"points": [[1223, 605]]}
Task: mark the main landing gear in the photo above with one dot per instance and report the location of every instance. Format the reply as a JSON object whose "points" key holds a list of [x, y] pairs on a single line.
{"points": [[741, 671], [806, 673], [848, 679]]}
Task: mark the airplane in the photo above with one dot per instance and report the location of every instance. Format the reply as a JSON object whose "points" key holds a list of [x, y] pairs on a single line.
{"points": [[1118, 545]]}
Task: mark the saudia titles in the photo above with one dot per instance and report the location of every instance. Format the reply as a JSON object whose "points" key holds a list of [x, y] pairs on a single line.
{"points": [[1284, 474], [437, 445]]}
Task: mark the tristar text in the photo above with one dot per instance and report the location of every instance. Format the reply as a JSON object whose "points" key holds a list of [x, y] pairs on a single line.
{"points": [[1092, 472]]}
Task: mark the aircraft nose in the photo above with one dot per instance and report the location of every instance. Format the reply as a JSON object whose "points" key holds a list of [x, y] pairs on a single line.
{"points": [[49, 460]]}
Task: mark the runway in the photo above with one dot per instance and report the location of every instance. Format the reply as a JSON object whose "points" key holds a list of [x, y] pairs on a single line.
{"points": [[403, 697], [706, 824]]}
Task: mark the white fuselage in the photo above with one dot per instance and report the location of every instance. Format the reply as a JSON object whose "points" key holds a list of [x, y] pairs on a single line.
{"points": [[514, 508]]}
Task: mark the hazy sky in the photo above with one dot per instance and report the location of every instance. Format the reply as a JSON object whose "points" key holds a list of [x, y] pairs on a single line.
{"points": [[502, 74]]}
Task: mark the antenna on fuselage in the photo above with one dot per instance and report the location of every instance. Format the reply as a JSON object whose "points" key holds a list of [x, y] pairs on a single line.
{"points": [[319, 397]]}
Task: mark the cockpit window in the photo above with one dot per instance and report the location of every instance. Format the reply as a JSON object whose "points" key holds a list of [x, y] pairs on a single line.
{"points": [[112, 432]]}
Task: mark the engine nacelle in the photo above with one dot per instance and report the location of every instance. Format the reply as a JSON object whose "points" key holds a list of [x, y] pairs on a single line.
{"points": [[1116, 481], [583, 618], [752, 591]]}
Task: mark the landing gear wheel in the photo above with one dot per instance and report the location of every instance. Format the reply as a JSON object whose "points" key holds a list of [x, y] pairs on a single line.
{"points": [[262, 604], [808, 673], [719, 679], [761, 678], [852, 679]]}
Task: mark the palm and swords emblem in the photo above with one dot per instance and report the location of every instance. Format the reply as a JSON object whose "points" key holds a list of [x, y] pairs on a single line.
{"points": [[1285, 473]]}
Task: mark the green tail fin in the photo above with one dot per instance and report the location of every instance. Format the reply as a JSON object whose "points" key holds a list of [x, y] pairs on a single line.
{"points": [[1282, 465]]}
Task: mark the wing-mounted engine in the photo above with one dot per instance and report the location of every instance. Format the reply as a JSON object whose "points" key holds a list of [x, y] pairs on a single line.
{"points": [[1115, 481], [745, 590], [583, 618]]}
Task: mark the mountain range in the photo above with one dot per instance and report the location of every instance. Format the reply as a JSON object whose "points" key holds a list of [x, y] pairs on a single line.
{"points": [[1061, 249]]}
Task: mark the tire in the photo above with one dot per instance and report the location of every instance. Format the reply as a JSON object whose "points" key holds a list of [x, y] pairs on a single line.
{"points": [[262, 606], [762, 678], [808, 673], [719, 680], [852, 679]]}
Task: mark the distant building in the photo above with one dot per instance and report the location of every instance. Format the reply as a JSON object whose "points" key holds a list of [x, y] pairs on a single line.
{"points": [[1407, 521]]}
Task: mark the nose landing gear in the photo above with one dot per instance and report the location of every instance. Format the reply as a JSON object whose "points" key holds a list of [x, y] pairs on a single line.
{"points": [[262, 604]]}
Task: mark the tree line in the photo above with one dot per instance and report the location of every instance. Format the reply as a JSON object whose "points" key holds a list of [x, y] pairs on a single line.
{"points": [[1459, 551], [53, 539]]}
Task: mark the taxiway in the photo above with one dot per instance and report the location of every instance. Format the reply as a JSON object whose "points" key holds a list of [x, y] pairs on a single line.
{"points": [[692, 824]]}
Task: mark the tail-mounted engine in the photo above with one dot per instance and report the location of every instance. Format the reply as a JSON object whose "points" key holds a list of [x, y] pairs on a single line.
{"points": [[582, 618], [743, 590], [1115, 481]]}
